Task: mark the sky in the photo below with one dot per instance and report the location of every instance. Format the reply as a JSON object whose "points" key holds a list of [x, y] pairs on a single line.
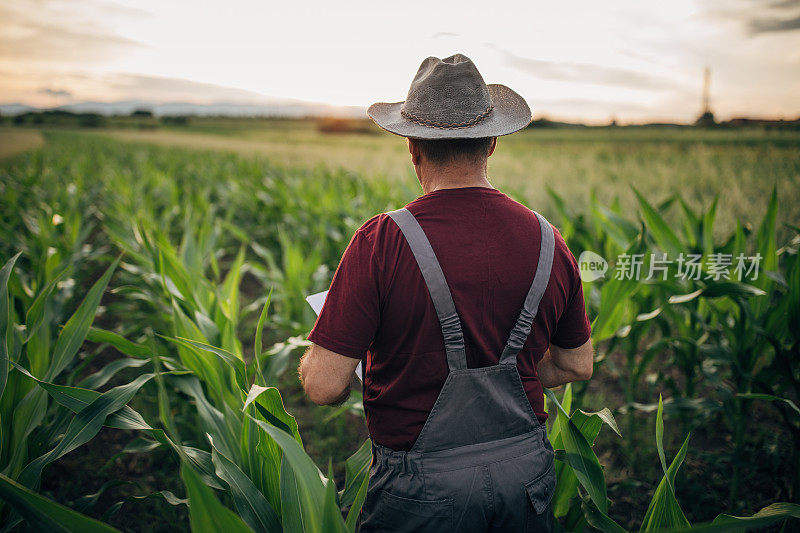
{"points": [[633, 61]]}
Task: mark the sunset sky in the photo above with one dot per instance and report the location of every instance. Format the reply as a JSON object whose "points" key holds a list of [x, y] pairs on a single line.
{"points": [[575, 60]]}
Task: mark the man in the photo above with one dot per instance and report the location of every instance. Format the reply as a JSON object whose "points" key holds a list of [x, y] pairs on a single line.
{"points": [[463, 305]]}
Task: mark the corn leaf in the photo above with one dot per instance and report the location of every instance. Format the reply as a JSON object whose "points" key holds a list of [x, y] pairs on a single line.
{"points": [[43, 514], [331, 513], [725, 523], [581, 457], [599, 519], [293, 516], [306, 488], [662, 233], [35, 315], [252, 506], [732, 289], [590, 423], [771, 398], [214, 421], [101, 377], [660, 441], [664, 510], [206, 513], [767, 248], [5, 321], [355, 508], [119, 342], [226, 356], [77, 327], [83, 427], [356, 469], [269, 405], [258, 347]]}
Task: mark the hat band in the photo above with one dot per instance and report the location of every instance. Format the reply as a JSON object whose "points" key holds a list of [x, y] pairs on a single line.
{"points": [[447, 125]]}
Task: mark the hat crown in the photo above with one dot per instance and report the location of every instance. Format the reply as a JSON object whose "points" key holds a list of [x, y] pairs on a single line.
{"points": [[447, 92]]}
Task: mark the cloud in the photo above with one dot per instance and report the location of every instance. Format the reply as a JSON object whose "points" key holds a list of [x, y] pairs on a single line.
{"points": [[440, 34], [94, 7], [583, 72], [38, 37], [590, 105], [159, 88], [115, 9], [782, 4], [54, 92], [756, 16], [757, 26]]}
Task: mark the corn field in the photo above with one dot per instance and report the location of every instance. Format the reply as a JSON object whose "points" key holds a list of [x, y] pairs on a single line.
{"points": [[157, 295]]}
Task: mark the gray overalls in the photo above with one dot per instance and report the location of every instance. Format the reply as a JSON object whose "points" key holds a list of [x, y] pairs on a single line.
{"points": [[483, 461]]}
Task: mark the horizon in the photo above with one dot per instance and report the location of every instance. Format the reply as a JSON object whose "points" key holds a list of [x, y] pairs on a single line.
{"points": [[320, 110], [628, 63]]}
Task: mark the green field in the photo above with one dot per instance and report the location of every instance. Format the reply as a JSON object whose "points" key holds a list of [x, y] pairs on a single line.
{"points": [[223, 226], [738, 166]]}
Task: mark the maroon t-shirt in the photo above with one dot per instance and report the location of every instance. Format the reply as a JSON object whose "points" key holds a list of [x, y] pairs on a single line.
{"points": [[379, 308]]}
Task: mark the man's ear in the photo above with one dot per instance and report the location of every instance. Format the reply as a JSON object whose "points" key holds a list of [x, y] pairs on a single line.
{"points": [[492, 147], [413, 150]]}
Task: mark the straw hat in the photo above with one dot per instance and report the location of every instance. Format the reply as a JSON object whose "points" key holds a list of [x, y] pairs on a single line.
{"points": [[448, 99]]}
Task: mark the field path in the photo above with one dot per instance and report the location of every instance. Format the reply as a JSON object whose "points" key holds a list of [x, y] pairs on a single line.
{"points": [[15, 141]]}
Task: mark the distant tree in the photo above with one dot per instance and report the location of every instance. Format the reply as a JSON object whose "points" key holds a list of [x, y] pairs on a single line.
{"points": [[344, 125], [542, 123], [175, 120], [19, 120], [142, 113], [91, 120]]}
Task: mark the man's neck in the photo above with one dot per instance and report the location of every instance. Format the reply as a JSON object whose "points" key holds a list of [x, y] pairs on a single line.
{"points": [[434, 179]]}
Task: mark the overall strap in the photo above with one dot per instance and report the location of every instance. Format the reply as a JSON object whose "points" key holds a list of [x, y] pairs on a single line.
{"points": [[437, 286], [518, 335]]}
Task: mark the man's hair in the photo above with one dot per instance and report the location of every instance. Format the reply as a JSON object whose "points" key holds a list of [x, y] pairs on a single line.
{"points": [[443, 151]]}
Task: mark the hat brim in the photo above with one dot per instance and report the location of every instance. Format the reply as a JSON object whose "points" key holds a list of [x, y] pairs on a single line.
{"points": [[509, 114]]}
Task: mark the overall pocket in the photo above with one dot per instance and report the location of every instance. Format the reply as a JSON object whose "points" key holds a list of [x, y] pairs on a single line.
{"points": [[401, 514], [539, 515]]}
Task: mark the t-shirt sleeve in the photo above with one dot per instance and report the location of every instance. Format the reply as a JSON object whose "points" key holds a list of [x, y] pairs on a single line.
{"points": [[573, 328], [350, 315]]}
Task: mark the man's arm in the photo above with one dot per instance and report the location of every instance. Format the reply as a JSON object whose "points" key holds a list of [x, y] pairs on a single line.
{"points": [[326, 375], [561, 365]]}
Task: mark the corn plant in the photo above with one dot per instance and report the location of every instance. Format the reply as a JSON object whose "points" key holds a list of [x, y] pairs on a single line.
{"points": [[255, 443], [580, 495], [729, 335], [33, 429], [24, 405], [739, 329]]}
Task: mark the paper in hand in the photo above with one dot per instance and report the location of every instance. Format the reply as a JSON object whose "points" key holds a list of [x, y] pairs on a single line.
{"points": [[316, 301]]}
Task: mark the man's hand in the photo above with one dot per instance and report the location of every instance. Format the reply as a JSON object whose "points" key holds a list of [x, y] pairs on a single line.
{"points": [[561, 365], [326, 375]]}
